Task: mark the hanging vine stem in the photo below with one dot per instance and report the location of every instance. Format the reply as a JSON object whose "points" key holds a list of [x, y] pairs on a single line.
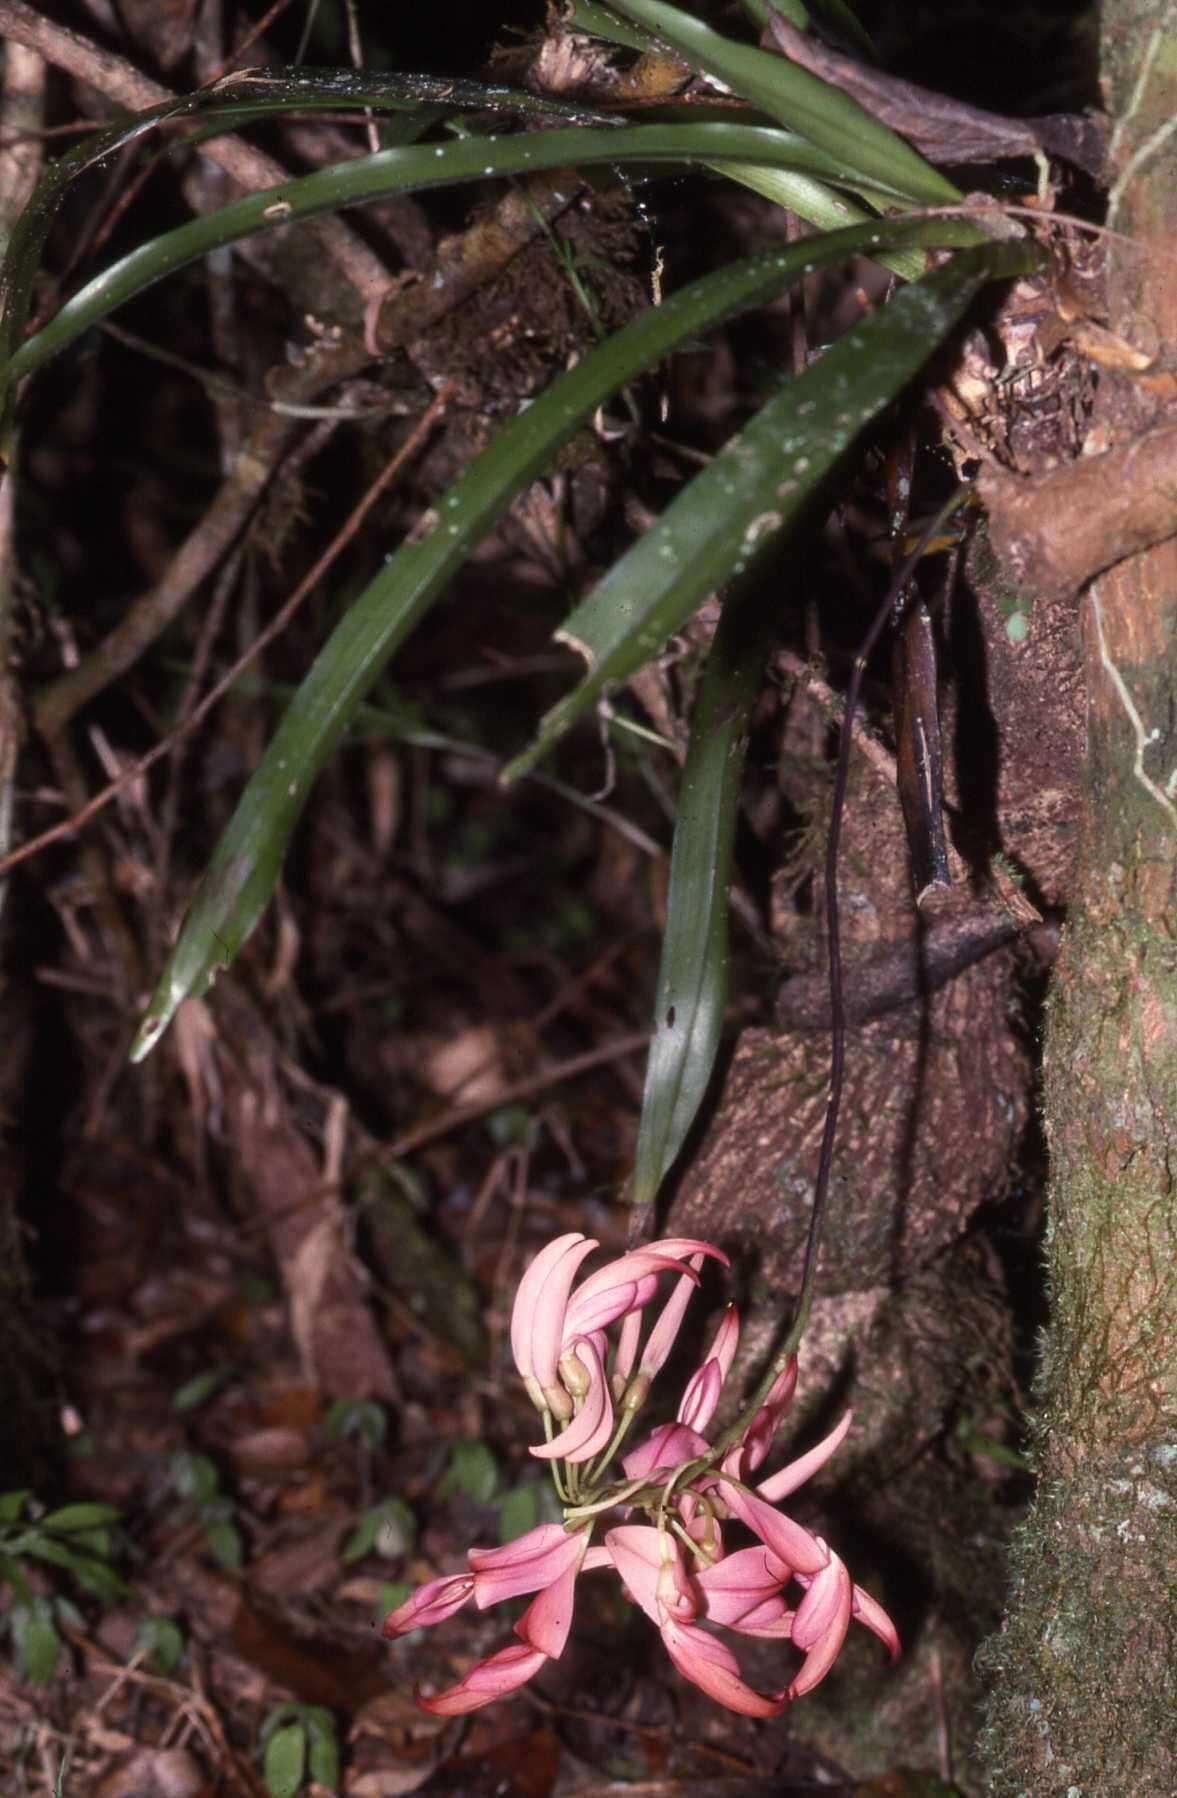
{"points": [[892, 607]]}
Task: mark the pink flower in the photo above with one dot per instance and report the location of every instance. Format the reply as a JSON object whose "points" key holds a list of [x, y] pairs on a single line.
{"points": [[676, 1566], [546, 1561]]}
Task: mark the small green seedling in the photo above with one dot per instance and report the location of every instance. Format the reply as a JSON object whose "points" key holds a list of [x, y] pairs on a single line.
{"points": [[298, 1739], [161, 1640], [472, 1473], [364, 1418], [77, 1540], [195, 1480], [388, 1529]]}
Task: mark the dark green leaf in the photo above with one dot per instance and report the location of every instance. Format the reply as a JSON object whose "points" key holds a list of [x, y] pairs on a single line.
{"points": [[163, 1642], [873, 158], [248, 858], [194, 1477], [412, 169], [692, 978], [324, 1761], [518, 1512], [761, 482], [362, 1417], [200, 1388], [285, 1760], [224, 1544], [35, 1638], [389, 1529], [80, 1517], [472, 1473]]}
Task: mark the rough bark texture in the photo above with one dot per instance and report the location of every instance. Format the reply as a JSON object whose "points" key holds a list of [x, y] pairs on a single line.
{"points": [[1085, 1670]]}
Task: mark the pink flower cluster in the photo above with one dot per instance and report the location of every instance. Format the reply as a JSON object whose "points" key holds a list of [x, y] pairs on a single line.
{"points": [[677, 1566]]}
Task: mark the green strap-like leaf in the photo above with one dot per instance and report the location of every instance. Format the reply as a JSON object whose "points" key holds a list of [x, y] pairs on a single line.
{"points": [[245, 866], [801, 102], [413, 168], [234, 101], [760, 482], [692, 977], [833, 13]]}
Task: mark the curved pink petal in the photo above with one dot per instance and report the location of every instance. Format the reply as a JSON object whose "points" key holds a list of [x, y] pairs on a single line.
{"points": [[627, 1352], [709, 1664], [549, 1331], [605, 1295], [625, 1285], [667, 1447], [703, 1389], [592, 1428], [868, 1610], [825, 1604], [679, 1247], [740, 1584], [529, 1563], [669, 1321], [779, 1485], [758, 1436], [430, 1603], [701, 1396], [820, 1626], [493, 1678], [527, 1295], [548, 1618], [635, 1552], [786, 1539]]}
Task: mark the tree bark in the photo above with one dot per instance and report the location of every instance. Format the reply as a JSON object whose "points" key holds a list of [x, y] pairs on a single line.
{"points": [[1084, 1674]]}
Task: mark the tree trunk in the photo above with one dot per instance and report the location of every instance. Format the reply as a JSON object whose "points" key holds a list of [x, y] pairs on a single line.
{"points": [[1084, 1675]]}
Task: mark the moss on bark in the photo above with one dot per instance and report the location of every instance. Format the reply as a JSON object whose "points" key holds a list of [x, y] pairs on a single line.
{"points": [[1084, 1673]]}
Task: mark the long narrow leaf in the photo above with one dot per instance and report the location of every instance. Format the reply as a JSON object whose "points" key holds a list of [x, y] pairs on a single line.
{"points": [[829, 13], [245, 866], [692, 977], [801, 102], [235, 101], [413, 168], [761, 482]]}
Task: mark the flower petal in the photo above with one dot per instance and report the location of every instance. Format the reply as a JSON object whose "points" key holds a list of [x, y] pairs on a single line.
{"points": [[492, 1678], [548, 1310], [667, 1447], [779, 1485], [709, 1664], [868, 1610], [527, 1296], [703, 1389], [613, 1290], [528, 1564], [627, 1352], [746, 1458], [742, 1583], [786, 1539], [601, 1299], [820, 1626], [669, 1321], [548, 1618], [430, 1603], [637, 1557], [592, 1427]]}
